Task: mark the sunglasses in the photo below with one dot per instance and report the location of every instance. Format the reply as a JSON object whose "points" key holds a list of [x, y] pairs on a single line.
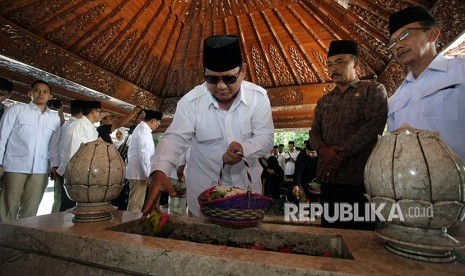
{"points": [[226, 79], [403, 35]]}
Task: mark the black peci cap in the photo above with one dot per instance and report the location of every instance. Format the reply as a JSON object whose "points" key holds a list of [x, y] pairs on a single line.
{"points": [[92, 104], [409, 15], [153, 114], [222, 53], [338, 47]]}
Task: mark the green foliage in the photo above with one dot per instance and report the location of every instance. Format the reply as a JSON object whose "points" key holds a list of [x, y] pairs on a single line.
{"points": [[215, 195], [283, 137]]}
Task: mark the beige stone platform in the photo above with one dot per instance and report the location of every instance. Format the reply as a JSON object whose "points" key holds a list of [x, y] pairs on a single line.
{"points": [[54, 245]]}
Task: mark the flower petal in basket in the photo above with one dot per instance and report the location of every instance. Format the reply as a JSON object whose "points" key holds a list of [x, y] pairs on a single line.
{"points": [[246, 209], [242, 209]]}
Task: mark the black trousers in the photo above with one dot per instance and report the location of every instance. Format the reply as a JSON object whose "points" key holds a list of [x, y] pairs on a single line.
{"points": [[333, 194], [66, 202]]}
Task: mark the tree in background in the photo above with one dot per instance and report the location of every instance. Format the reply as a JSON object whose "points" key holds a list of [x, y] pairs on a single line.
{"points": [[283, 137]]}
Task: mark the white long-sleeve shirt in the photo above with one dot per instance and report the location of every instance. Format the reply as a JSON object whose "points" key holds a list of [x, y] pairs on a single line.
{"points": [[78, 132], [57, 143], [434, 101], [25, 134], [140, 149], [289, 166], [200, 122]]}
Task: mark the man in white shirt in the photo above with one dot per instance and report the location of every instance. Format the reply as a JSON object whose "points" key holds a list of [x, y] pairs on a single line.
{"points": [[432, 96], [80, 131], [25, 134], [289, 160], [218, 118], [57, 154], [140, 149]]}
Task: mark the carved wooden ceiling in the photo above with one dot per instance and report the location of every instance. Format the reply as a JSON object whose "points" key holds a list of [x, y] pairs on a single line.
{"points": [[148, 52]]}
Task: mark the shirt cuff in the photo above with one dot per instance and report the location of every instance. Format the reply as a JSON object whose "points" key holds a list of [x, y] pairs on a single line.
{"points": [[247, 149], [164, 166]]}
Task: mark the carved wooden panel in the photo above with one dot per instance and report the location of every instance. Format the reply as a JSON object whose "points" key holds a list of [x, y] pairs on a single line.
{"points": [[260, 69], [282, 96], [131, 49], [72, 26], [146, 100], [92, 50], [30, 15]]}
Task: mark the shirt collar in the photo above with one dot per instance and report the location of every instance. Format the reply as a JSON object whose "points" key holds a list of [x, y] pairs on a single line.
{"points": [[439, 63], [355, 84], [32, 105], [240, 96], [145, 125], [86, 120]]}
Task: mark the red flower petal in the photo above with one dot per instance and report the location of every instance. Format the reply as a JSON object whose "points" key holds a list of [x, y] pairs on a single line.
{"points": [[163, 220], [285, 250], [327, 254]]}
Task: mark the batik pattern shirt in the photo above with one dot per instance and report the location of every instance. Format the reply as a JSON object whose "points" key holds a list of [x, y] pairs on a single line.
{"points": [[351, 120]]}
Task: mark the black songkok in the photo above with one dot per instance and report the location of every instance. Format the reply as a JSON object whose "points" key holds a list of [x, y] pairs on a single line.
{"points": [[152, 114], [409, 15], [76, 104], [308, 146], [92, 104], [222, 53], [338, 47]]}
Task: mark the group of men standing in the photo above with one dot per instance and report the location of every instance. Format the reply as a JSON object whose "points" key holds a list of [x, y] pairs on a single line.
{"points": [[349, 119], [346, 123], [34, 145]]}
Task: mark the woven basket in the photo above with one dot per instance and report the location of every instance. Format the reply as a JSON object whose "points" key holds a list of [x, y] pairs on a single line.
{"points": [[246, 209]]}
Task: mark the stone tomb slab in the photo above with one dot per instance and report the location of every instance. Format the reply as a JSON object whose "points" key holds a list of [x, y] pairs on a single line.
{"points": [[54, 245]]}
